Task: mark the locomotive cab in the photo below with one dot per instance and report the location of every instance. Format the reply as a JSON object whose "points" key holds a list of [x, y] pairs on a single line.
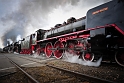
{"points": [[106, 26]]}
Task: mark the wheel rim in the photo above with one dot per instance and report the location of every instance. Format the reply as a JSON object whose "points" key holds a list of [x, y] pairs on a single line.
{"points": [[88, 56], [119, 57], [72, 47], [48, 50], [58, 52]]}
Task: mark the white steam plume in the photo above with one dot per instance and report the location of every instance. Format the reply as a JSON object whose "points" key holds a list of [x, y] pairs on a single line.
{"points": [[75, 59], [9, 41], [18, 38]]}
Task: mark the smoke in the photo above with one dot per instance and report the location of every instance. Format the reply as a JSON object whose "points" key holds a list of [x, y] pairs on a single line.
{"points": [[16, 53], [75, 59], [9, 42], [35, 55], [12, 34], [28, 16], [18, 38], [24, 17], [18, 26]]}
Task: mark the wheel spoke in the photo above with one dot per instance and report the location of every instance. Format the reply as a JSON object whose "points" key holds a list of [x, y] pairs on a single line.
{"points": [[70, 47], [74, 47], [48, 50], [58, 52]]}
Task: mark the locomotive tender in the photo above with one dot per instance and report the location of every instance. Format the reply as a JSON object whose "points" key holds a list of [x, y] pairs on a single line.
{"points": [[99, 34]]}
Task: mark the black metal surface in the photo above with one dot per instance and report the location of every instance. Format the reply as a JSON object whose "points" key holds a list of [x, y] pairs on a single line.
{"points": [[69, 28], [112, 14]]}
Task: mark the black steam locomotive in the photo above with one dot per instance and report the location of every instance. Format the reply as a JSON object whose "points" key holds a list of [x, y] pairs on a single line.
{"points": [[99, 34], [14, 47]]}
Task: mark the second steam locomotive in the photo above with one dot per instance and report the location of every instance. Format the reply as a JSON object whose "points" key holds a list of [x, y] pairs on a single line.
{"points": [[99, 34]]}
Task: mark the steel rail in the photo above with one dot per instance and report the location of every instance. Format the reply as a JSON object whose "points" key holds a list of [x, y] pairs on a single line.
{"points": [[29, 76], [4, 75], [82, 76]]}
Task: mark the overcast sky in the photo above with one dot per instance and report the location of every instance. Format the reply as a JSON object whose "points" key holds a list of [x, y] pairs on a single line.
{"points": [[23, 17]]}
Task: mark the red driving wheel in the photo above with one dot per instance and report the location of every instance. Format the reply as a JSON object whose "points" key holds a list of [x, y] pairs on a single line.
{"points": [[119, 57], [48, 50], [88, 56], [73, 47], [70, 47], [58, 52]]}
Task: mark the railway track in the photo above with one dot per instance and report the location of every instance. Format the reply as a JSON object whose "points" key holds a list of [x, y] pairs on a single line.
{"points": [[31, 79], [7, 74], [80, 75], [83, 77]]}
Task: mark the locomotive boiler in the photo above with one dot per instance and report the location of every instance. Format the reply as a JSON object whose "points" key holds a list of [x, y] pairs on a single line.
{"points": [[99, 34], [71, 26]]}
